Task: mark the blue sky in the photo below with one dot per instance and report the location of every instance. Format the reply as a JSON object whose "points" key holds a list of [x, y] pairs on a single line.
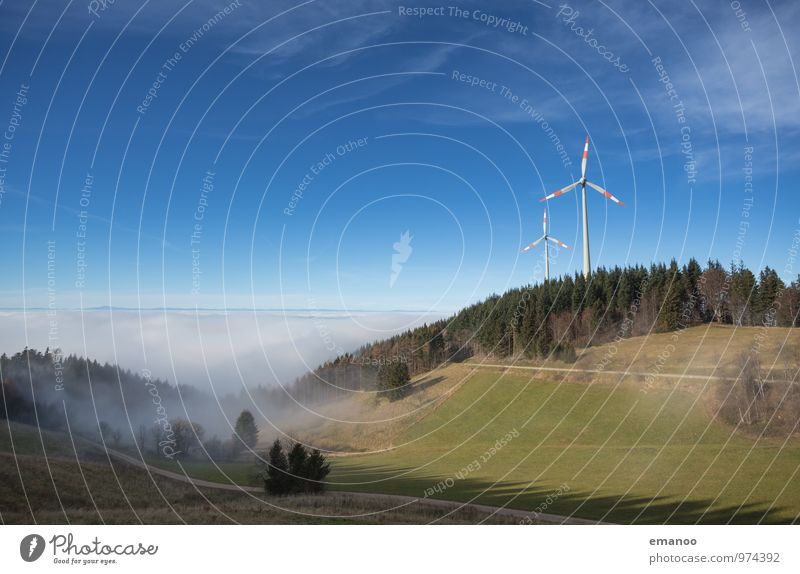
{"points": [[270, 90]]}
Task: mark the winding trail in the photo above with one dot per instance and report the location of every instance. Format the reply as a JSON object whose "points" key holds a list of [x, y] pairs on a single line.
{"points": [[393, 498], [621, 373]]}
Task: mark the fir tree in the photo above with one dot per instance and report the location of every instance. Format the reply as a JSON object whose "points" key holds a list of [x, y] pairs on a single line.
{"points": [[245, 431], [277, 480]]}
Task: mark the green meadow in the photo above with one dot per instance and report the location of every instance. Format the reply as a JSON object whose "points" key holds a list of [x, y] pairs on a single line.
{"points": [[601, 451]]}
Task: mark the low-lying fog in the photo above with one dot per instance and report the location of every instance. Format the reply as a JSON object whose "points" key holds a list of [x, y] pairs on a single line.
{"points": [[217, 352]]}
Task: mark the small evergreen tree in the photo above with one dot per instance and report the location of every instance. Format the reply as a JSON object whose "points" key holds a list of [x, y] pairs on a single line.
{"points": [[246, 431], [277, 479], [317, 468], [298, 457]]}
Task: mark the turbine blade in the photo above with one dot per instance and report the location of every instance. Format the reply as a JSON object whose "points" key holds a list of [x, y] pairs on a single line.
{"points": [[551, 238], [604, 192], [585, 157], [560, 191], [544, 223], [534, 244]]}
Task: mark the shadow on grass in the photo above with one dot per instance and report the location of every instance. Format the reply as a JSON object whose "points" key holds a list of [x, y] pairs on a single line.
{"points": [[548, 498], [29, 492], [48, 490], [426, 383], [64, 492]]}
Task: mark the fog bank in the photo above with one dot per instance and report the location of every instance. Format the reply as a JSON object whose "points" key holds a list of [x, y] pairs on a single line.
{"points": [[217, 352]]}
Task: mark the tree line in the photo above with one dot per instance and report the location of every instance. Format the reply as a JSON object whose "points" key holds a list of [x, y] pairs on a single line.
{"points": [[571, 311], [553, 318]]}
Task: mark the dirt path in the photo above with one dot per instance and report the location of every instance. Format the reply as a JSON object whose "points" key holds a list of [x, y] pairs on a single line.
{"points": [[607, 372], [392, 498]]}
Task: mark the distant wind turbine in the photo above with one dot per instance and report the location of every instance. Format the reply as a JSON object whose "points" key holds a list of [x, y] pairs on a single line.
{"points": [[546, 238], [583, 183]]}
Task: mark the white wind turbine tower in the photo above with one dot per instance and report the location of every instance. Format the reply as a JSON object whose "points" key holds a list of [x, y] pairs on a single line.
{"points": [[583, 183], [546, 238]]}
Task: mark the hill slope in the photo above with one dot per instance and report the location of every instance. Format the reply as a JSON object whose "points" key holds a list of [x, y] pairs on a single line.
{"points": [[699, 358], [606, 452], [599, 445]]}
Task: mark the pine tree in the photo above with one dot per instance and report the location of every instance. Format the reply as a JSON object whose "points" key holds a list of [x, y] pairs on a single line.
{"points": [[674, 299], [742, 294], [277, 480], [297, 459], [769, 287], [245, 431], [317, 468]]}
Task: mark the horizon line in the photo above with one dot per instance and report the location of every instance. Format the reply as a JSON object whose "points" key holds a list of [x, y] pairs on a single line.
{"points": [[227, 309]]}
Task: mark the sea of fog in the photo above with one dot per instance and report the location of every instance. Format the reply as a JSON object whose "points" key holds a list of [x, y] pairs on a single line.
{"points": [[211, 350]]}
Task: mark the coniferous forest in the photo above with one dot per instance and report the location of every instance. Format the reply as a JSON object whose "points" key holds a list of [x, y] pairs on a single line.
{"points": [[553, 318]]}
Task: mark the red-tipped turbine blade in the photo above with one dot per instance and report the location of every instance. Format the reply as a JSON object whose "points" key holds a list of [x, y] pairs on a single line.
{"points": [[560, 191], [604, 192], [534, 244], [585, 156], [544, 223], [564, 245]]}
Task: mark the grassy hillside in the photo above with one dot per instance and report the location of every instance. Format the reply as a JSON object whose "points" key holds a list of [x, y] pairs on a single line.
{"points": [[706, 355], [602, 451], [709, 350]]}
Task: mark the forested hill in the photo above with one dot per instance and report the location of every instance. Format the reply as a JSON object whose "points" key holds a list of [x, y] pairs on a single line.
{"points": [[555, 317], [624, 302], [37, 388]]}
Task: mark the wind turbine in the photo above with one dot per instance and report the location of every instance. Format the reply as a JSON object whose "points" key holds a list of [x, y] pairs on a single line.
{"points": [[546, 238], [583, 183]]}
